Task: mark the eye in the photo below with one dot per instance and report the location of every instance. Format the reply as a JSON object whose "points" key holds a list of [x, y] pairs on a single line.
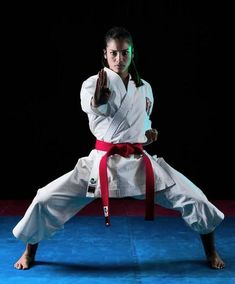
{"points": [[113, 53], [125, 52]]}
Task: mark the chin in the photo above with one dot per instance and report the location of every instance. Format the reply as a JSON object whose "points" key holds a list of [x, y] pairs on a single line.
{"points": [[120, 69]]}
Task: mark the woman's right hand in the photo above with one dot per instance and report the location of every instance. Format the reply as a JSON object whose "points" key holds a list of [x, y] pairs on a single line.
{"points": [[102, 92]]}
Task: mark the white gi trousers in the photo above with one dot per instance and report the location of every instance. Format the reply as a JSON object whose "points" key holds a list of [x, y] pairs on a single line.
{"points": [[61, 199]]}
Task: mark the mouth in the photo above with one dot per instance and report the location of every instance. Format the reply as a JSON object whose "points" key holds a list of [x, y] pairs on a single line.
{"points": [[119, 66]]}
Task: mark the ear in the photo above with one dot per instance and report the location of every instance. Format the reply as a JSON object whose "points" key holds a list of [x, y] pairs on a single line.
{"points": [[105, 53]]}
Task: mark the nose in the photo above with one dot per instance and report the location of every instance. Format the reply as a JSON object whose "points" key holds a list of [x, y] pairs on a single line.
{"points": [[119, 57]]}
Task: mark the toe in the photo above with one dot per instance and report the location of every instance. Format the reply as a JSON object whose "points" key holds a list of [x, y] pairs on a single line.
{"points": [[18, 266]]}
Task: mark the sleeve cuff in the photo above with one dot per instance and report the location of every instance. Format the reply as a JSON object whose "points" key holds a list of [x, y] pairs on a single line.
{"points": [[100, 110]]}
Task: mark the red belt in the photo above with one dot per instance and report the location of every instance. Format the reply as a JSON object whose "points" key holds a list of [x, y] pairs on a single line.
{"points": [[125, 149]]}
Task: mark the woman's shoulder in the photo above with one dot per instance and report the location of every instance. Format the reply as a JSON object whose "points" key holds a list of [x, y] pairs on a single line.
{"points": [[147, 89], [146, 83], [91, 78], [90, 81]]}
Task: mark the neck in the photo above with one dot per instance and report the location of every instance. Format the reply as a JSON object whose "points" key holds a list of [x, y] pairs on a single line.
{"points": [[124, 75], [125, 78]]}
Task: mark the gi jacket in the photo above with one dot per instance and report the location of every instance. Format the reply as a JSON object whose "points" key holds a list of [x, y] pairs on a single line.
{"points": [[124, 119]]}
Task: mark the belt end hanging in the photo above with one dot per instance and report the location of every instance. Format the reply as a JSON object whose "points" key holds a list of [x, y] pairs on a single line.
{"points": [[106, 215], [107, 222]]}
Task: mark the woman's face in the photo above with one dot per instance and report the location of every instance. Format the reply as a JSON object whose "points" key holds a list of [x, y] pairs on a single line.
{"points": [[118, 54]]}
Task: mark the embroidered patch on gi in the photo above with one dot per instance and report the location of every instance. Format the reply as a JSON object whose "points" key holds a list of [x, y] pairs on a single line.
{"points": [[91, 187], [148, 105]]}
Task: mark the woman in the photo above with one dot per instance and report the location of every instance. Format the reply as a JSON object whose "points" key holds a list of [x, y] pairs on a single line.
{"points": [[118, 104]]}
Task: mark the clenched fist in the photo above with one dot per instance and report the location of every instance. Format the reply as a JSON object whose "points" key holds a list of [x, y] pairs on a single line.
{"points": [[151, 135], [102, 92]]}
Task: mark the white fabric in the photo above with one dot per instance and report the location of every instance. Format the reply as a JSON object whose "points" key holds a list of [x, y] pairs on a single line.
{"points": [[58, 201], [133, 126], [100, 110]]}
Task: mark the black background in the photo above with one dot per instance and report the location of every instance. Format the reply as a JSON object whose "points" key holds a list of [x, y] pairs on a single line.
{"points": [[183, 49]]}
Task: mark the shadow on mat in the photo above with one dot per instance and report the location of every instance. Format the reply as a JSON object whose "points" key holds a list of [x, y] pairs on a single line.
{"points": [[189, 267]]}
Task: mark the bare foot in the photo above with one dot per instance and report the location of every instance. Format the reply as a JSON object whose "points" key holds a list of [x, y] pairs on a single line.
{"points": [[25, 262], [215, 261], [213, 257], [27, 258]]}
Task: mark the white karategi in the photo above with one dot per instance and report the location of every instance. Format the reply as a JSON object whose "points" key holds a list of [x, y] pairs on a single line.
{"points": [[124, 119]]}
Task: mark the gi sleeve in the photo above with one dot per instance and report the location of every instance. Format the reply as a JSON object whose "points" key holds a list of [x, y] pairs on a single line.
{"points": [[149, 100], [86, 95]]}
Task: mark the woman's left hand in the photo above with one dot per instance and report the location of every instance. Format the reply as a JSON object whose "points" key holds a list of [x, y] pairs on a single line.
{"points": [[152, 135]]}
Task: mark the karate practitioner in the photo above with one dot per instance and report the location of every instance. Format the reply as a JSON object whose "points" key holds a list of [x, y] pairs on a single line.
{"points": [[118, 104]]}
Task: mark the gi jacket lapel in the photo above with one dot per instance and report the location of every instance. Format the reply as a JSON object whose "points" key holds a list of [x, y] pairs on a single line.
{"points": [[116, 85]]}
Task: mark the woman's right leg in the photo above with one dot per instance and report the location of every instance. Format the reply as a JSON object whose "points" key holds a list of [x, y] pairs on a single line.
{"points": [[53, 205]]}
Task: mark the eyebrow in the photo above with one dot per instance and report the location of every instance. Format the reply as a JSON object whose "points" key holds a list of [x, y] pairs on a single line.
{"points": [[120, 50]]}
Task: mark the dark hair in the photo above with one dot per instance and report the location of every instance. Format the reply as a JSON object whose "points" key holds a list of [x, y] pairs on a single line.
{"points": [[122, 33]]}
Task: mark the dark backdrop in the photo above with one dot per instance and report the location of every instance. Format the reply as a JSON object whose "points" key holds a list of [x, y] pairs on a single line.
{"points": [[183, 49]]}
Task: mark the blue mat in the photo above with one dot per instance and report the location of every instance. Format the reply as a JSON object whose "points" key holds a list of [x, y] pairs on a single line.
{"points": [[130, 251]]}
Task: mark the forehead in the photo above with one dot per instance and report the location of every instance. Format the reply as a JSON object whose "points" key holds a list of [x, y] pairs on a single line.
{"points": [[118, 44]]}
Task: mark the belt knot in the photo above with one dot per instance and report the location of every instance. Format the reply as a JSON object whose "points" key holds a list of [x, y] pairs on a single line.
{"points": [[125, 150]]}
